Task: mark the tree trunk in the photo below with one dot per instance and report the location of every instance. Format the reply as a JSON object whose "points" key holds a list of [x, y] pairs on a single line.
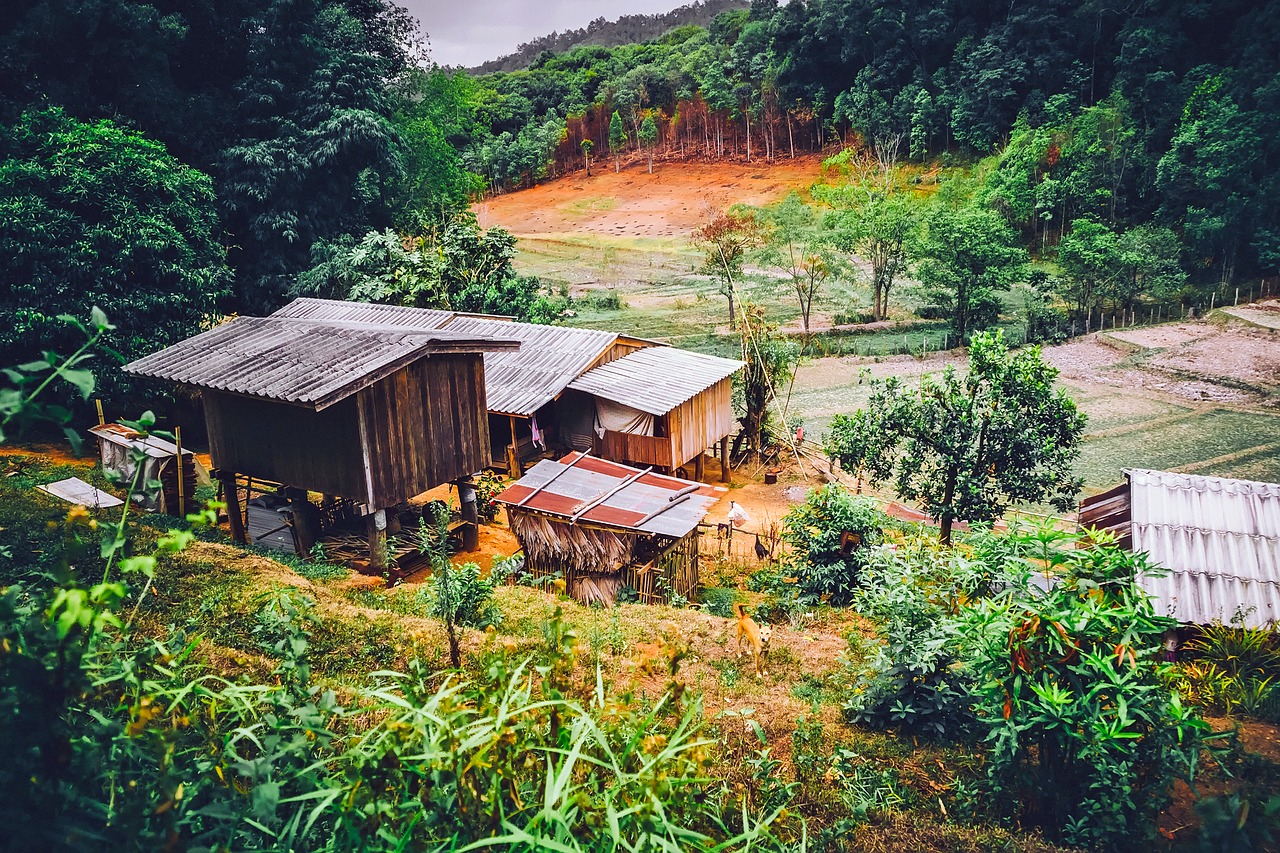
{"points": [[947, 517]]}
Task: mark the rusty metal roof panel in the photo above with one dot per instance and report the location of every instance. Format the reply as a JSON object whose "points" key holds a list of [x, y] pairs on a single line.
{"points": [[1218, 538], [550, 357], [301, 362], [656, 380], [335, 310], [651, 503]]}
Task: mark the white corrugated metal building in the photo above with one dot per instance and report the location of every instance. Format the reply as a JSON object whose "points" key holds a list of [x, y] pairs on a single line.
{"points": [[1218, 539]]}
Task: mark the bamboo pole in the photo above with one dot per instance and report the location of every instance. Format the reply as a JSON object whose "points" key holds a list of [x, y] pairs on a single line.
{"points": [[182, 489]]}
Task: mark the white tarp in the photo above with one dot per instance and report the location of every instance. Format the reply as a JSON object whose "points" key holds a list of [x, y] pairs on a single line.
{"points": [[619, 418]]}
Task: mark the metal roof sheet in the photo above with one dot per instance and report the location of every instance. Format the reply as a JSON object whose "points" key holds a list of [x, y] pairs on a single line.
{"points": [[1218, 538], [371, 313], [550, 357], [656, 380], [564, 487], [301, 362]]}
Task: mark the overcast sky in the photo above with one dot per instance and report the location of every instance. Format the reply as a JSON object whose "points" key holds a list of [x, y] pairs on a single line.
{"points": [[469, 32]]}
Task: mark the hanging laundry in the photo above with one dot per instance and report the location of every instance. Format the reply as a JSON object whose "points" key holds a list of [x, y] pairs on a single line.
{"points": [[538, 440]]}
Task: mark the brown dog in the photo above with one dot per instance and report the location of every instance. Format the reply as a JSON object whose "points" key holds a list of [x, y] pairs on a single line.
{"points": [[757, 637]]}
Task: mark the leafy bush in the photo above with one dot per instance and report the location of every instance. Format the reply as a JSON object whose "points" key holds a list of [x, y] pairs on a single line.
{"points": [[1071, 694], [831, 534], [1232, 670], [488, 486], [718, 602], [915, 681], [463, 596]]}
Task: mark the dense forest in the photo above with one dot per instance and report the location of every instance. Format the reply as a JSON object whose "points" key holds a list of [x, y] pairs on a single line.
{"points": [[173, 163], [1149, 111], [627, 29]]}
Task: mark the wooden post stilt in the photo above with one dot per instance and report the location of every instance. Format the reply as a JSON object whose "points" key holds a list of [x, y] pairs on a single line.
{"points": [[724, 460], [376, 526], [470, 514], [232, 496], [697, 467]]}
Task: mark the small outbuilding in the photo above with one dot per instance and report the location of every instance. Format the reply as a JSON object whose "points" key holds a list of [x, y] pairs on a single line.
{"points": [[601, 526], [663, 406], [1218, 539], [366, 414]]}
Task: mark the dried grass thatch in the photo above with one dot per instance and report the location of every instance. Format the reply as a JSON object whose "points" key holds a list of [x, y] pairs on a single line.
{"points": [[585, 549]]}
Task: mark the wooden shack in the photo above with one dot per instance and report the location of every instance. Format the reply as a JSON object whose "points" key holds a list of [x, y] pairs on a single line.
{"points": [[663, 406], [372, 414], [601, 526], [530, 413], [1215, 541]]}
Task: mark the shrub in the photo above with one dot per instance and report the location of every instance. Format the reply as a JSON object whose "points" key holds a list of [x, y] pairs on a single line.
{"points": [[915, 681], [831, 534], [1071, 695], [466, 596], [488, 486]]}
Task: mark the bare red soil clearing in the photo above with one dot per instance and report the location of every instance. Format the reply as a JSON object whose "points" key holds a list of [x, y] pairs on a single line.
{"points": [[671, 202]]}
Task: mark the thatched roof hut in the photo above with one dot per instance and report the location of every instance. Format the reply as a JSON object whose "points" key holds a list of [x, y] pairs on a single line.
{"points": [[602, 526]]}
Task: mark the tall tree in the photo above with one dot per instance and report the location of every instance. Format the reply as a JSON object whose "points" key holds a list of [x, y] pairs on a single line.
{"points": [[617, 139], [966, 257], [968, 447], [92, 214], [794, 244], [876, 227], [649, 137], [725, 240]]}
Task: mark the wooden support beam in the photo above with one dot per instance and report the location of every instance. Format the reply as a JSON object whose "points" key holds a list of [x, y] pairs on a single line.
{"points": [[724, 460], [306, 521], [697, 467], [470, 513], [232, 495], [376, 527]]}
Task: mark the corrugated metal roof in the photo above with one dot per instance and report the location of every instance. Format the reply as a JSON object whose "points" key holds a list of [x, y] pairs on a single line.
{"points": [[302, 362], [373, 314], [657, 379], [1218, 538], [549, 358], [563, 488]]}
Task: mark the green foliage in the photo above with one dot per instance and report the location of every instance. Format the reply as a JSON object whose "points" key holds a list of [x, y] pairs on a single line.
{"points": [[488, 486], [464, 597], [878, 227], [96, 216], [649, 137], [1084, 732], [832, 535], [1236, 824], [965, 258], [914, 680], [457, 267], [770, 363], [1231, 669], [966, 448]]}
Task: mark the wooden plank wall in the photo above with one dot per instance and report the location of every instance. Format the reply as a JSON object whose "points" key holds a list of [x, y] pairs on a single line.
{"points": [[425, 425], [637, 449], [701, 421], [273, 441]]}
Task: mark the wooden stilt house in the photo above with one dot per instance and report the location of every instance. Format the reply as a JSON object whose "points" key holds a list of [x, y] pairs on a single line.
{"points": [[371, 414], [663, 406], [602, 526]]}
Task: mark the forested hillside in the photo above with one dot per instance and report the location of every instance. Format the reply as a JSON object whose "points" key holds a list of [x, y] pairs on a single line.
{"points": [[605, 33], [1163, 111]]}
